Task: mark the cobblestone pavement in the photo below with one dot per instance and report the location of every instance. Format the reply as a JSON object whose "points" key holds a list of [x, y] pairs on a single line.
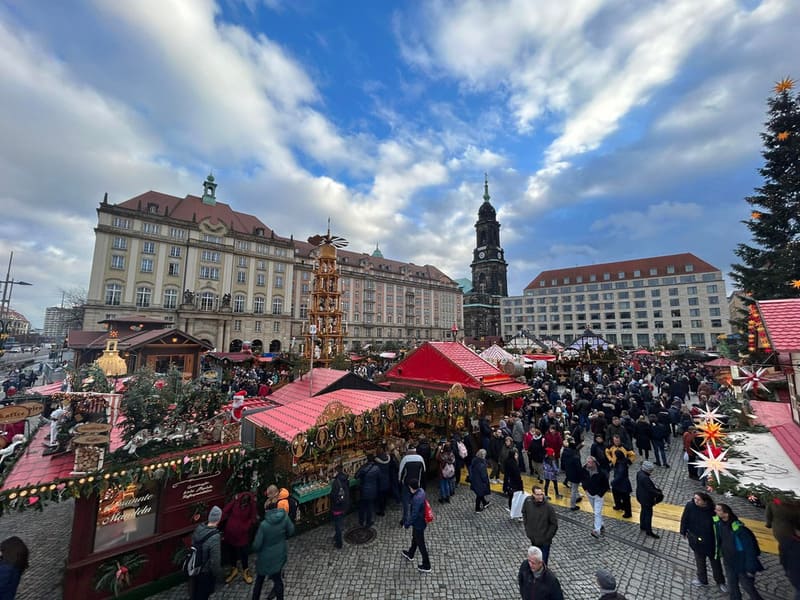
{"points": [[474, 556]]}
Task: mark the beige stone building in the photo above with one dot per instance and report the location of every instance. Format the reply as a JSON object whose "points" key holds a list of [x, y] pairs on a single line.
{"points": [[226, 278]]}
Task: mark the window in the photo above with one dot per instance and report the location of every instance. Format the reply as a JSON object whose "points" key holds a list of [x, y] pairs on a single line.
{"points": [[146, 265], [658, 324], [610, 316], [641, 314], [694, 312], [257, 326], [120, 223], [653, 272], [673, 291], [113, 294], [177, 233], [713, 299], [121, 243], [238, 303], [237, 324], [676, 325], [625, 315], [170, 298], [711, 289], [694, 302], [174, 269], [207, 301], [579, 279], [277, 305], [209, 273], [243, 245], [592, 277], [716, 322], [303, 311], [209, 256], [261, 265], [151, 228], [674, 301], [117, 261], [623, 305], [640, 304], [714, 312], [611, 325], [692, 290], [175, 251], [698, 339], [639, 294], [670, 269], [281, 268], [261, 279], [606, 276], [622, 295], [608, 306], [276, 327], [697, 324], [637, 273], [148, 248], [642, 325], [675, 313], [658, 314], [278, 281], [259, 304], [241, 277], [669, 281], [689, 268], [243, 262], [143, 295], [656, 303], [211, 239], [621, 275]]}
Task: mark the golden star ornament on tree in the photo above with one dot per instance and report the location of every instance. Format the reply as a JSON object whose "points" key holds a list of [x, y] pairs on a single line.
{"points": [[755, 215], [784, 85], [796, 284], [710, 432], [783, 136]]}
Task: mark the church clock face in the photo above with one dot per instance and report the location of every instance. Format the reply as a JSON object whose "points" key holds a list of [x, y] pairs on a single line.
{"points": [[481, 254]]}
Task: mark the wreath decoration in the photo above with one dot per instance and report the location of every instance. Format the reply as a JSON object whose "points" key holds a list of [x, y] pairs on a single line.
{"points": [[116, 574]]}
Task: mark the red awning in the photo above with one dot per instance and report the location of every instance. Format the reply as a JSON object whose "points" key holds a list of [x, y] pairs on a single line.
{"points": [[545, 357], [235, 357]]}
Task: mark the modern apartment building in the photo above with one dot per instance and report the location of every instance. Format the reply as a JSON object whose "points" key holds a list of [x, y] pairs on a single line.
{"points": [[225, 277], [635, 303], [56, 321]]}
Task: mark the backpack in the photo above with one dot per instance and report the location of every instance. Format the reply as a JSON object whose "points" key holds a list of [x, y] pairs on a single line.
{"points": [[462, 449], [294, 508], [195, 558], [340, 495], [448, 471]]}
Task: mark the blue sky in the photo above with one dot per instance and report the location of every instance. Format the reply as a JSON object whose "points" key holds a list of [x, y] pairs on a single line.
{"points": [[610, 130]]}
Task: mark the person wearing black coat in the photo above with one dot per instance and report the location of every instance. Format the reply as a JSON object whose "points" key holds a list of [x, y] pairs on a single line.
{"points": [[621, 485], [479, 480], [369, 476], [536, 580], [573, 471], [384, 462], [697, 527], [647, 494], [340, 502], [512, 481], [643, 432], [485, 429], [659, 438], [598, 451], [596, 486]]}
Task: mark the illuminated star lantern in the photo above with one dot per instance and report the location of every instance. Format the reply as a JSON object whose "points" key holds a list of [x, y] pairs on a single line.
{"points": [[755, 215], [783, 136], [711, 461], [753, 380], [796, 284], [710, 415], [784, 85], [711, 433]]}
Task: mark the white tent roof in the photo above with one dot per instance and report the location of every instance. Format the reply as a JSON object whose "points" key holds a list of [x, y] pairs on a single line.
{"points": [[496, 355]]}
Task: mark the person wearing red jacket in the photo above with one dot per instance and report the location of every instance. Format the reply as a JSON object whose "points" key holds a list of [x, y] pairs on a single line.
{"points": [[239, 516], [553, 439]]}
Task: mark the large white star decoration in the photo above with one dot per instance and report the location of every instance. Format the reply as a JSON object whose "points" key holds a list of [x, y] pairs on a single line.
{"points": [[709, 415], [710, 463], [752, 380]]}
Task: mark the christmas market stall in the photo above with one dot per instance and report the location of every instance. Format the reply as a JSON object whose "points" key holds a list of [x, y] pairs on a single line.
{"points": [[143, 468], [435, 367]]}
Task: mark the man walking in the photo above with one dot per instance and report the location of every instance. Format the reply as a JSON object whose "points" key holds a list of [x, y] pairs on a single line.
{"points": [[536, 580], [596, 486], [739, 549], [369, 481], [340, 502], [416, 520], [207, 538], [540, 522], [648, 496]]}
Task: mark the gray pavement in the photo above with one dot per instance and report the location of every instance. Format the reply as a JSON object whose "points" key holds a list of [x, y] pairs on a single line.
{"points": [[474, 556]]}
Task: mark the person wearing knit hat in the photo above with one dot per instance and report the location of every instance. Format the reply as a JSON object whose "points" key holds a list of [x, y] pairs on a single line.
{"points": [[648, 496], [607, 586], [207, 537]]}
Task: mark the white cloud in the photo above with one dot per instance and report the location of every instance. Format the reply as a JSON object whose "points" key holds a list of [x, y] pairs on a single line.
{"points": [[655, 220]]}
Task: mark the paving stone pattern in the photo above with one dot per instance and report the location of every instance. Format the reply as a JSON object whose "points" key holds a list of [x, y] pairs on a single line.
{"points": [[474, 556]]}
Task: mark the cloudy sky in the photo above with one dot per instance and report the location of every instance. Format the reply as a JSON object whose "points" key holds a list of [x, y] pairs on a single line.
{"points": [[609, 129]]}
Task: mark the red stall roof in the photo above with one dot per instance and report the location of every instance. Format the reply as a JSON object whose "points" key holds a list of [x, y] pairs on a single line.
{"points": [[301, 415], [441, 364], [301, 389], [782, 322]]}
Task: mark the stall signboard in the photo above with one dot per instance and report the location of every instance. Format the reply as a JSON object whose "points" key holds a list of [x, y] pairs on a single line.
{"points": [[125, 514], [182, 498], [13, 414], [410, 408]]}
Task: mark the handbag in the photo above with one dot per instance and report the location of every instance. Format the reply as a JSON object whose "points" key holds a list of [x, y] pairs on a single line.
{"points": [[428, 512], [658, 496], [516, 504]]}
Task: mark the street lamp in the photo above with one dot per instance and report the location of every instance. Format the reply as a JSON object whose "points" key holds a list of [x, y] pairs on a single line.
{"points": [[5, 304]]}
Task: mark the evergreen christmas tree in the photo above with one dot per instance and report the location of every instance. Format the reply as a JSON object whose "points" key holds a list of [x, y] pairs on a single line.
{"points": [[770, 268]]}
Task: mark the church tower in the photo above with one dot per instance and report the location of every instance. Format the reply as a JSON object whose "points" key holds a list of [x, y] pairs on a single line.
{"points": [[489, 276]]}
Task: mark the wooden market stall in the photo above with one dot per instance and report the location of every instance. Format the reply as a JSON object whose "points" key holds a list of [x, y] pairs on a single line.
{"points": [[435, 367]]}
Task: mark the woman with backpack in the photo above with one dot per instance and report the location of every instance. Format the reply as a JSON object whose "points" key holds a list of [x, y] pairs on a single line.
{"points": [[271, 551], [447, 471]]}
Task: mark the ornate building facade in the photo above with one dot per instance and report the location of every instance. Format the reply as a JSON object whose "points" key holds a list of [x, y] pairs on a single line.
{"points": [[489, 276], [224, 277]]}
